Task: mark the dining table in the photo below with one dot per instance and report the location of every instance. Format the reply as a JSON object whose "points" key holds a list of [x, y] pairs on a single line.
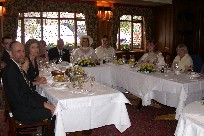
{"points": [[78, 109], [174, 90], [191, 121]]}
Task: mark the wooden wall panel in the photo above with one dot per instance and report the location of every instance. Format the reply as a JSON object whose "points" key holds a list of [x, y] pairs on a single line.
{"points": [[164, 27]]}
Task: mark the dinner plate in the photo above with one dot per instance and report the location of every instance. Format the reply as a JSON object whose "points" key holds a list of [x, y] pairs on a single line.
{"points": [[60, 85], [194, 75]]}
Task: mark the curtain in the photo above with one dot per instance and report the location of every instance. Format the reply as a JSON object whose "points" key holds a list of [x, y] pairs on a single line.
{"points": [[119, 10], [13, 8]]}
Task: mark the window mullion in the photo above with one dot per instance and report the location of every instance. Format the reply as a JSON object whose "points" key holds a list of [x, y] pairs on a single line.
{"points": [[22, 29], [131, 45], [41, 24], [75, 30], [58, 25]]}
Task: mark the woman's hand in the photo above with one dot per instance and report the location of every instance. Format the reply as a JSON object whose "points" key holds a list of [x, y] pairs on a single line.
{"points": [[42, 80], [188, 68]]}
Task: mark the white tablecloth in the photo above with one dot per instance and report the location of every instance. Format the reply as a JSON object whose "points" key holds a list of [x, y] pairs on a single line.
{"points": [[191, 121], [77, 110], [166, 88]]}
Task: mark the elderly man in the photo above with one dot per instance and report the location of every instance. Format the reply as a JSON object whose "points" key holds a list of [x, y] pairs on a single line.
{"points": [[27, 105], [59, 52]]}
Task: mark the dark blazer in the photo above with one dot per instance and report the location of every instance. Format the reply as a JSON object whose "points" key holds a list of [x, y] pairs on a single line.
{"points": [[27, 105], [5, 57], [53, 53]]}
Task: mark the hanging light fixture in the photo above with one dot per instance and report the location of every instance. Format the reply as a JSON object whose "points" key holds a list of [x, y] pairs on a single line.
{"points": [[2, 9], [104, 10]]}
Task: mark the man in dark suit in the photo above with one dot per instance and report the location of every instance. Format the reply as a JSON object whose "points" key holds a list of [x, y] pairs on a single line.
{"points": [[59, 52], [27, 105], [6, 40]]}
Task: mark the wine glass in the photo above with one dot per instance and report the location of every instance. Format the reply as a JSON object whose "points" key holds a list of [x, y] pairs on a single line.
{"points": [[54, 60], [71, 59], [60, 59], [92, 79], [63, 69], [176, 66], [124, 59], [132, 60]]}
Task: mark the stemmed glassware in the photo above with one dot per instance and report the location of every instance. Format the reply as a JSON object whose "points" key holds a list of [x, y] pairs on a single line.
{"points": [[54, 60], [92, 78], [132, 60], [60, 59], [176, 66], [124, 59]]}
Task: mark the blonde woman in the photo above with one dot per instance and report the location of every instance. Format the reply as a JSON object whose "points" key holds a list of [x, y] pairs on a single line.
{"points": [[32, 52], [85, 51], [183, 60], [43, 55]]}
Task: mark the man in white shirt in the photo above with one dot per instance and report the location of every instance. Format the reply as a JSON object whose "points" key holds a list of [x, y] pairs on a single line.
{"points": [[105, 51]]}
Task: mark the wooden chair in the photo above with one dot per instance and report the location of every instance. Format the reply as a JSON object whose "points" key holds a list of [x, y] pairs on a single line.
{"points": [[167, 57], [16, 127]]}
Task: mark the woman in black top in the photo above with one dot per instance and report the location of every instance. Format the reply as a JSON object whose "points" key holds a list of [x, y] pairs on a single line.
{"points": [[32, 51]]}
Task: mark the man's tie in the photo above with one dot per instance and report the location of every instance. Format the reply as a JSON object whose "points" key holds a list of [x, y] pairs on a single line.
{"points": [[24, 76], [60, 53]]}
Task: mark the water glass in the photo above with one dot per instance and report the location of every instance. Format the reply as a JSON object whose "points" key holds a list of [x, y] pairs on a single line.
{"points": [[124, 58]]}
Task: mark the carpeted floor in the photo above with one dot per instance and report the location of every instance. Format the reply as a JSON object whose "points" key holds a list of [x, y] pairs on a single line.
{"points": [[143, 123]]}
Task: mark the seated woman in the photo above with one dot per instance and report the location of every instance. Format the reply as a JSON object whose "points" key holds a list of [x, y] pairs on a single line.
{"points": [[105, 51], [43, 55], [85, 51], [152, 56], [183, 60], [32, 52]]}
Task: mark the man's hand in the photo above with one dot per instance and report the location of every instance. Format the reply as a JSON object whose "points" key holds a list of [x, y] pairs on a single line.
{"points": [[50, 107]]}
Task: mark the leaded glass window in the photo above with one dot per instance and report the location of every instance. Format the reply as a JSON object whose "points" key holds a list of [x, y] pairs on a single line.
{"points": [[130, 32], [50, 26]]}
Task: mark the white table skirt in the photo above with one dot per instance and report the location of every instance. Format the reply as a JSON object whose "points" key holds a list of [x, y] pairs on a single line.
{"points": [[166, 88], [83, 111], [191, 121]]}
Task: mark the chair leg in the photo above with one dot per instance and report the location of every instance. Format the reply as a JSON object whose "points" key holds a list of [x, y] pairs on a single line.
{"points": [[48, 130]]}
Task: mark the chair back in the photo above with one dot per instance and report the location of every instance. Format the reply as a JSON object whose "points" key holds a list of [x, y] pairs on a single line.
{"points": [[197, 63], [202, 70], [15, 127]]}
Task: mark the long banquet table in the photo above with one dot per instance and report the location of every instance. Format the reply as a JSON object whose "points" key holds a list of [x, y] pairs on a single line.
{"points": [[78, 110], [167, 88]]}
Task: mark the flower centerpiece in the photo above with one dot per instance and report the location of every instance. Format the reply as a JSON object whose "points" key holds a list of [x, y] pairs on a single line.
{"points": [[118, 62], [85, 62], [147, 68], [126, 47], [77, 76]]}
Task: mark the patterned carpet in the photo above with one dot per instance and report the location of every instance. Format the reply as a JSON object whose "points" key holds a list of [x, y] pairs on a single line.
{"points": [[143, 123]]}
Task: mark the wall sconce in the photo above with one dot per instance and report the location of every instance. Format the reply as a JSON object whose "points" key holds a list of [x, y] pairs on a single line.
{"points": [[105, 13], [104, 10], [2, 9]]}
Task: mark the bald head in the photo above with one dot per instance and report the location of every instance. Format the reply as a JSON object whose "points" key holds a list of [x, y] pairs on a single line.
{"points": [[17, 52]]}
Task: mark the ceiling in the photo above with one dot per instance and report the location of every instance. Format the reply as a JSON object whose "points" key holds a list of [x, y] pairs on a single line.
{"points": [[137, 2]]}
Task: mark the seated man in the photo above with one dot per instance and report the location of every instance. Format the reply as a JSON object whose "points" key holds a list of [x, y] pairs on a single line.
{"points": [[27, 105], [59, 52], [105, 51], [6, 40]]}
